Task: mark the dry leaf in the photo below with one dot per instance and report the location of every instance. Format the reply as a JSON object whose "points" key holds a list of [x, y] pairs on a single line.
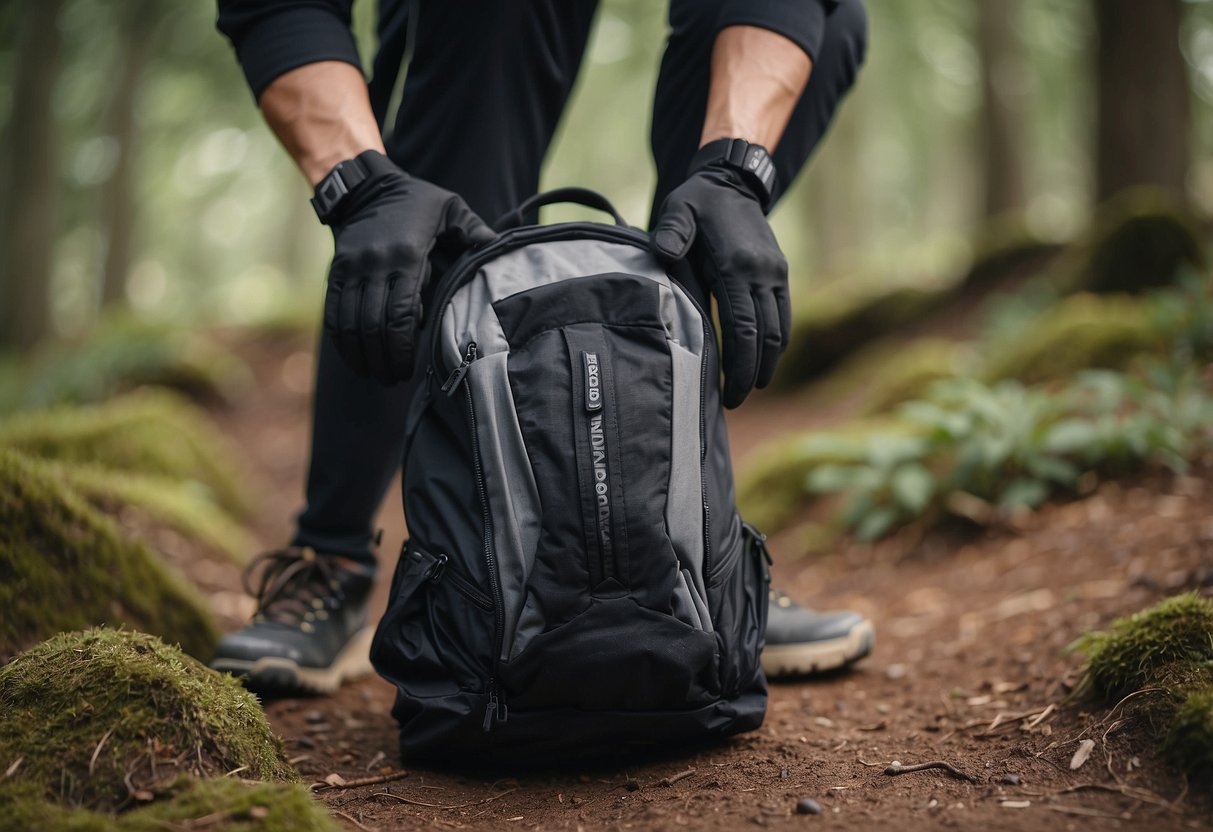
{"points": [[335, 779], [13, 768], [1080, 756], [258, 812], [144, 796]]}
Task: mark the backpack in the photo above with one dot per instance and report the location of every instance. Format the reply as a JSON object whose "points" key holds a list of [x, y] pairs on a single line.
{"points": [[576, 579]]}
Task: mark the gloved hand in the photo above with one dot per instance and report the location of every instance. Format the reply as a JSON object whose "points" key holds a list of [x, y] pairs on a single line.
{"points": [[716, 220], [384, 232]]}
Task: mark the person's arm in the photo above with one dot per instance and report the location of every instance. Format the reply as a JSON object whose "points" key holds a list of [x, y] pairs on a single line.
{"points": [[757, 78], [717, 218], [322, 115], [301, 63]]}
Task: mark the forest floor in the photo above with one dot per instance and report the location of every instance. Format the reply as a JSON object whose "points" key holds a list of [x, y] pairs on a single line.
{"points": [[969, 668]]}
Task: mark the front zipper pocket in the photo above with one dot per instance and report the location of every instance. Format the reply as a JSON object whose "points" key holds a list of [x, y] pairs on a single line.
{"points": [[444, 571]]}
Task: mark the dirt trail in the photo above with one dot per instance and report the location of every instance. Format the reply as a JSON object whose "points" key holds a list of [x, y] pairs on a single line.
{"points": [[971, 634]]}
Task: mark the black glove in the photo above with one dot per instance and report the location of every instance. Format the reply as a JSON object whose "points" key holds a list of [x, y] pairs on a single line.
{"points": [[716, 219], [384, 230]]}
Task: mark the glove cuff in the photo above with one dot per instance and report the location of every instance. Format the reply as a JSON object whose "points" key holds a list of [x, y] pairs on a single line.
{"points": [[751, 161], [337, 189]]}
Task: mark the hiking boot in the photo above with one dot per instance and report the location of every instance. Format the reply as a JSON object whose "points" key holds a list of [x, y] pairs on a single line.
{"points": [[801, 641], [310, 632]]}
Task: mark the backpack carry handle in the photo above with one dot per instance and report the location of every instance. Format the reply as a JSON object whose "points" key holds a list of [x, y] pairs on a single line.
{"points": [[577, 196]]}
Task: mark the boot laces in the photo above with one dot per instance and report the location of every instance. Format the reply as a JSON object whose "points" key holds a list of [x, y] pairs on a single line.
{"points": [[296, 587]]}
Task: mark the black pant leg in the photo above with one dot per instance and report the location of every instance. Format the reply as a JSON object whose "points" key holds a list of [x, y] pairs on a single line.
{"points": [[680, 102], [485, 89]]}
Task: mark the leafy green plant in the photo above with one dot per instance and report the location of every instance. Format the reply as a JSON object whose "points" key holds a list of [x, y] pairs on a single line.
{"points": [[1006, 447]]}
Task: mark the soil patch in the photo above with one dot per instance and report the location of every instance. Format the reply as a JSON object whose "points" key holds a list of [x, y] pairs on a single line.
{"points": [[969, 669]]}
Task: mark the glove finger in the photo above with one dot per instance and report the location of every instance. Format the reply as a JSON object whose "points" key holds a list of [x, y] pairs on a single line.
{"points": [[785, 317], [403, 322], [349, 344], [739, 338], [463, 226], [769, 335], [675, 231], [372, 333]]}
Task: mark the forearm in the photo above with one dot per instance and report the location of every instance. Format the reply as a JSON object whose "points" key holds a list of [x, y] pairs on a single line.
{"points": [[757, 78], [322, 115]]}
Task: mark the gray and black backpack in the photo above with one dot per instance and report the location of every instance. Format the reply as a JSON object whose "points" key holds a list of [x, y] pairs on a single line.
{"points": [[577, 578]]}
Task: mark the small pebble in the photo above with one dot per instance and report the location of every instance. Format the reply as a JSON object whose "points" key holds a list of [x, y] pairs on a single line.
{"points": [[895, 671], [808, 806], [1009, 780], [314, 716], [631, 785], [783, 773], [305, 742]]}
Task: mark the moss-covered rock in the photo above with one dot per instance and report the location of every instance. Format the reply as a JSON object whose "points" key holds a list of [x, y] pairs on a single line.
{"points": [[65, 566], [1138, 240], [124, 353], [182, 506], [95, 715], [1081, 332], [1167, 651], [217, 802], [1006, 244], [149, 432], [1136, 650], [831, 324]]}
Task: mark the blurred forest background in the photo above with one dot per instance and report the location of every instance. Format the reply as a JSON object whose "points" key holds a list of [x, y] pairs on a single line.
{"points": [[138, 177]]}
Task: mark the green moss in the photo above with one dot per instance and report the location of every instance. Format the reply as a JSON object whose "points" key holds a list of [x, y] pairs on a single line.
{"points": [[902, 372], [1137, 650], [830, 324], [1081, 332], [216, 802], [1189, 739], [63, 566], [180, 505], [124, 353], [150, 432], [94, 714], [1138, 240]]}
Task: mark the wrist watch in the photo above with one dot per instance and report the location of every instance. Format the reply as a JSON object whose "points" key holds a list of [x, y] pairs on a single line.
{"points": [[752, 161], [344, 179]]}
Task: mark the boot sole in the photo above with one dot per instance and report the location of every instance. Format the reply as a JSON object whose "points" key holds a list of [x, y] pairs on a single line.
{"points": [[779, 660], [274, 674]]}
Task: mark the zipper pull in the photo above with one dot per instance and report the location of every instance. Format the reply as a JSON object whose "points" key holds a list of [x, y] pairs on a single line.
{"points": [[456, 377], [495, 711], [491, 711]]}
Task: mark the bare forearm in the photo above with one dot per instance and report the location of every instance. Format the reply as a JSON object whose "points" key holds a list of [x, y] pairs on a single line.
{"points": [[322, 115], [757, 78]]}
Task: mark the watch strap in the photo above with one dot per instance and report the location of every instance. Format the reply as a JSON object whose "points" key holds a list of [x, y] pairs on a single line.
{"points": [[344, 179], [753, 161]]}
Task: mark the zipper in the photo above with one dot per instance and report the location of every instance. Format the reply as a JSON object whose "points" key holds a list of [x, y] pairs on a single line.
{"points": [[709, 343], [441, 571], [496, 708], [460, 373]]}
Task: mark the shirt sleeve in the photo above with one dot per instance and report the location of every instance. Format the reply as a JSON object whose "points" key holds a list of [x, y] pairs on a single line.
{"points": [[272, 37], [800, 21]]}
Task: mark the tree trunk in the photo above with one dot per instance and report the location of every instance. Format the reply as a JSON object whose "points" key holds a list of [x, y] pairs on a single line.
{"points": [[30, 216], [1004, 105], [118, 198], [1142, 97]]}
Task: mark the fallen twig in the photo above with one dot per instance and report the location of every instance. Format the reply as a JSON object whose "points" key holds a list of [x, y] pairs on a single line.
{"points": [[674, 778], [898, 768], [362, 781], [344, 816], [412, 802]]}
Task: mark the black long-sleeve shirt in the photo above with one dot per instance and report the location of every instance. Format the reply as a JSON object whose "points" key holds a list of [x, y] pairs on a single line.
{"points": [[272, 37]]}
